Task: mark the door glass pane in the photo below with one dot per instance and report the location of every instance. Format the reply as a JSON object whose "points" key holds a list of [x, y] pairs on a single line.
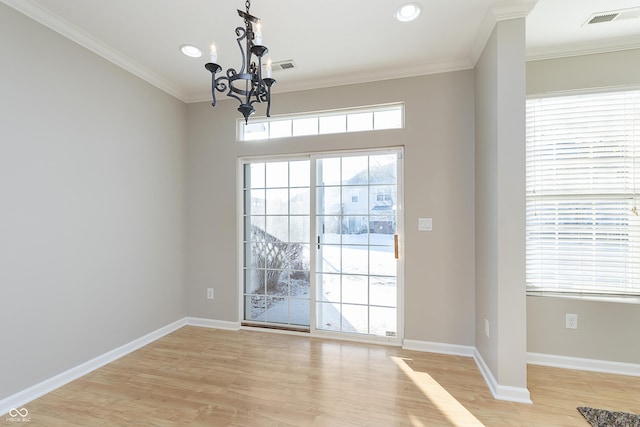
{"points": [[382, 261], [277, 175], [255, 177], [299, 201], [299, 229], [355, 289], [254, 221], [382, 291], [331, 259], [297, 310], [355, 260], [329, 229], [383, 321], [328, 172], [355, 170], [328, 287], [355, 200], [354, 230], [278, 229], [328, 316], [328, 201], [355, 318], [255, 202], [299, 173], [278, 311], [277, 201], [255, 307], [383, 169]]}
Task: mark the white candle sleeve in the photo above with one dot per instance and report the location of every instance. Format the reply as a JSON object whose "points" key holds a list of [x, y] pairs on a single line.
{"points": [[214, 54]]}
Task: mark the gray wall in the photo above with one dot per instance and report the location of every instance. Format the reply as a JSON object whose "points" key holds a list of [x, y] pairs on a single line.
{"points": [[439, 174], [92, 205], [606, 330], [500, 203]]}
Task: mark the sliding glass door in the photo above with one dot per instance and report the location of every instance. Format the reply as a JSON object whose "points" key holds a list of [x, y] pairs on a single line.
{"points": [[321, 243]]}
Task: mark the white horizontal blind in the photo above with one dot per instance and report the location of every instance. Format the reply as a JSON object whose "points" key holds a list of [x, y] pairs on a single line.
{"points": [[583, 228]]}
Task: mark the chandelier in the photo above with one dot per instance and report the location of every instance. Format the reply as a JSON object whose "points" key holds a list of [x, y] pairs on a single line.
{"points": [[247, 85]]}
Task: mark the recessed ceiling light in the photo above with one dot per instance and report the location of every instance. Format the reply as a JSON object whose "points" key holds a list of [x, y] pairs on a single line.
{"points": [[408, 12], [191, 50]]}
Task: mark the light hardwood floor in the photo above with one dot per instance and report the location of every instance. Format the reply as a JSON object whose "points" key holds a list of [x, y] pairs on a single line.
{"points": [[205, 377]]}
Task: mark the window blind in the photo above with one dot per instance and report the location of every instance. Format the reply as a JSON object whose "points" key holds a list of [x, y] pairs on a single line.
{"points": [[582, 183]]}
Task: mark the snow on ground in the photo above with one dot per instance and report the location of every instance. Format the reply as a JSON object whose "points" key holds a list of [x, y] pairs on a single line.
{"points": [[342, 279]]}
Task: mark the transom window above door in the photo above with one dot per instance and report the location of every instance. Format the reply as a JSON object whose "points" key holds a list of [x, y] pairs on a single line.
{"points": [[378, 117]]}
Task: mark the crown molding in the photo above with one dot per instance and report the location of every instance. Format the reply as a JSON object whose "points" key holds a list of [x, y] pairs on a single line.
{"points": [[580, 49], [501, 11], [75, 34], [509, 9]]}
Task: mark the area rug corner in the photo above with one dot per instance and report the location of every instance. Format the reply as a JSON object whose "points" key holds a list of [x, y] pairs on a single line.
{"points": [[605, 418]]}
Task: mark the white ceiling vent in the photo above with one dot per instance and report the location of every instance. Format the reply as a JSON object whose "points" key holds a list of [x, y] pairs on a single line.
{"points": [[283, 65], [613, 15]]}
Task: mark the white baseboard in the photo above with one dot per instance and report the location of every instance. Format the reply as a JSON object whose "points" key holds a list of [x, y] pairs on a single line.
{"points": [[499, 391], [22, 398], [215, 324], [593, 365], [436, 347]]}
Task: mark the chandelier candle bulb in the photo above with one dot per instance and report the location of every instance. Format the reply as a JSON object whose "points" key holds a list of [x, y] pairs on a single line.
{"points": [[214, 53], [257, 36], [268, 67]]}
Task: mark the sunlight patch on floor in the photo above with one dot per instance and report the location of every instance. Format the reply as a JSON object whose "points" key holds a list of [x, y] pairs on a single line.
{"points": [[415, 422], [457, 414]]}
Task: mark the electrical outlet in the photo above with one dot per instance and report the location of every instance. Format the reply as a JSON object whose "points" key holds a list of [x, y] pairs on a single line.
{"points": [[209, 293], [486, 328], [571, 321]]}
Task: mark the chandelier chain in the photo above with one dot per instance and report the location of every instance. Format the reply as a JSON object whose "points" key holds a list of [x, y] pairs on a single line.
{"points": [[247, 23]]}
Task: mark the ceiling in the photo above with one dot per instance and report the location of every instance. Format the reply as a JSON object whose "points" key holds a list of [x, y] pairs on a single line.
{"points": [[331, 42]]}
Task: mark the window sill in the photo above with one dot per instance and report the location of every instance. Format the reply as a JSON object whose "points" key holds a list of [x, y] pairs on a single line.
{"points": [[632, 299]]}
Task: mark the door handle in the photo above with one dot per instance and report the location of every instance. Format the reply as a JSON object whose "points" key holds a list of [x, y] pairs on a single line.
{"points": [[318, 242], [395, 243]]}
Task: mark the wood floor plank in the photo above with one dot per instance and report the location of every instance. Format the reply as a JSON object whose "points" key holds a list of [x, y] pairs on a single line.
{"points": [[206, 377]]}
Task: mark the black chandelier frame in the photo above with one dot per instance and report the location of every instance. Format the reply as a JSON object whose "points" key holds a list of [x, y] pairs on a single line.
{"points": [[246, 85]]}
